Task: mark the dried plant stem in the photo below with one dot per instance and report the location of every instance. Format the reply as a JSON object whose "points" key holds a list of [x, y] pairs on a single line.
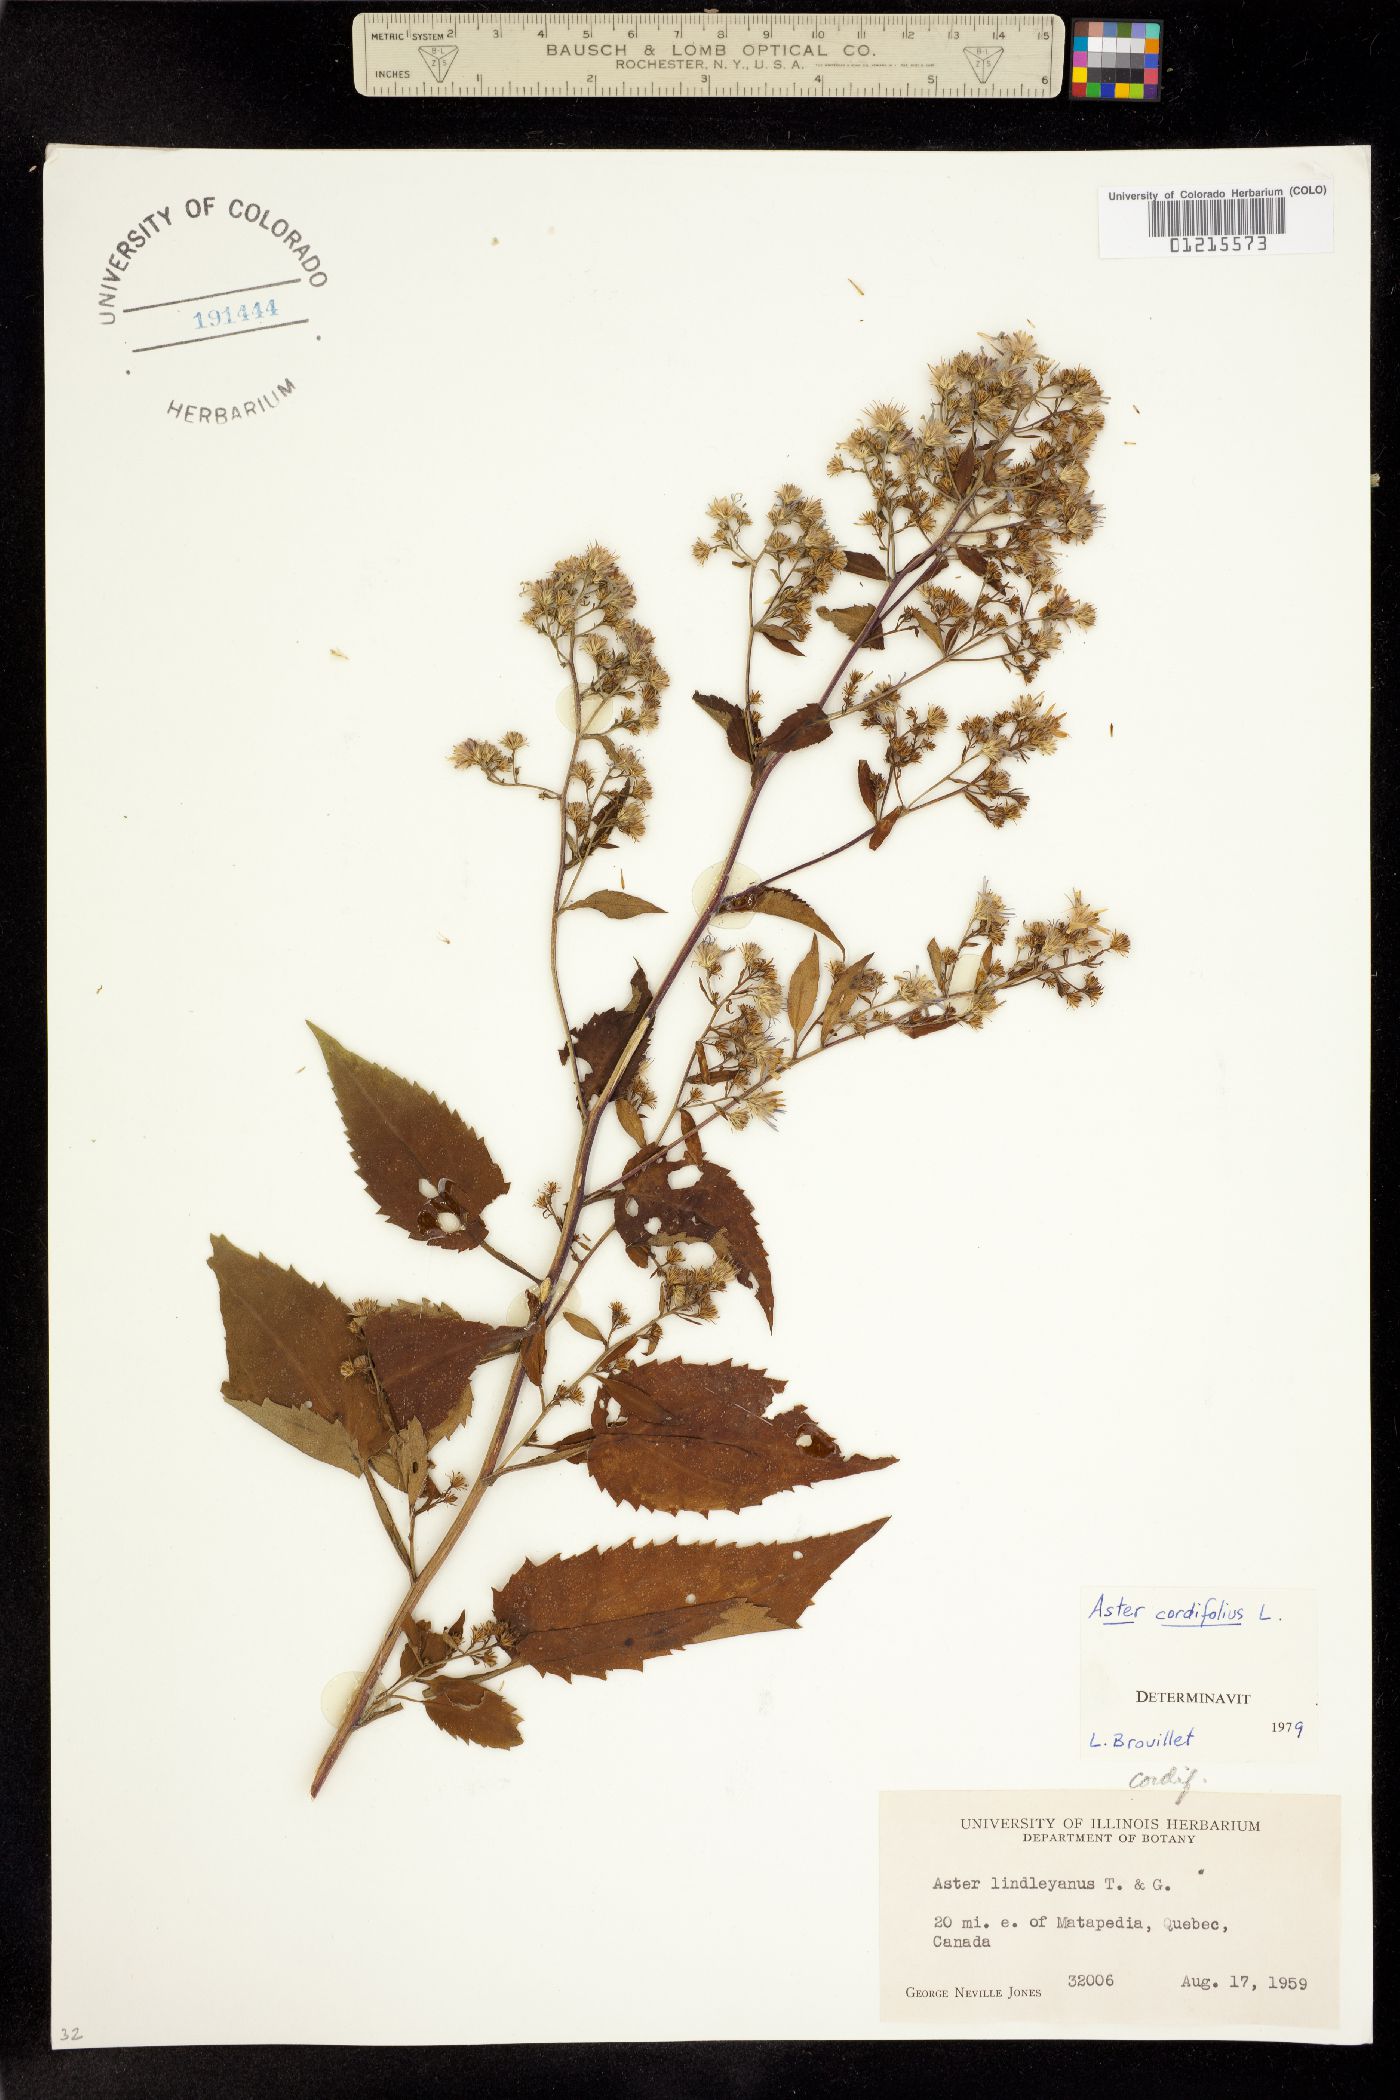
{"points": [[550, 1299]]}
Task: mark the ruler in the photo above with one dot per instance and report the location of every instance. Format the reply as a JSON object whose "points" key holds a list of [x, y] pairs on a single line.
{"points": [[896, 57]]}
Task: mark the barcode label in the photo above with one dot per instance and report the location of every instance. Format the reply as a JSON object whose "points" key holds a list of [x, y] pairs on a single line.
{"points": [[1291, 217], [1169, 216]]}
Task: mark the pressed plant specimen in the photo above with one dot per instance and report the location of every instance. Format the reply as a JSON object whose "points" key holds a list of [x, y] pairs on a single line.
{"points": [[965, 512]]}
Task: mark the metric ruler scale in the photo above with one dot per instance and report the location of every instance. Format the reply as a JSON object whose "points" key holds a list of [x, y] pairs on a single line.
{"points": [[1002, 58]]}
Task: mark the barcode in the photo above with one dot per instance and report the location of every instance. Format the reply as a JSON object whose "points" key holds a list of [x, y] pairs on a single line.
{"points": [[1214, 215]]}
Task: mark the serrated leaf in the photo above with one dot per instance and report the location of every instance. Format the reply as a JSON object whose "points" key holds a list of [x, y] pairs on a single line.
{"points": [[731, 721], [601, 1041], [860, 623], [424, 1356], [858, 564], [286, 1341], [805, 725], [779, 637], [472, 1712], [777, 903], [403, 1138], [649, 1212], [615, 1609], [581, 1325], [699, 1437], [802, 991], [614, 904]]}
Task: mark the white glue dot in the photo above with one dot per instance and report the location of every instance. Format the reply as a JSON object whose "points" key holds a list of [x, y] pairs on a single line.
{"points": [[707, 882], [337, 1694], [797, 1556], [803, 1441], [427, 1188], [600, 710], [690, 1596]]}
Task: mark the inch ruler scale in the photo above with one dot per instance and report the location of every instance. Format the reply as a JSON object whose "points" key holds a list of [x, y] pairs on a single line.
{"points": [[716, 56]]}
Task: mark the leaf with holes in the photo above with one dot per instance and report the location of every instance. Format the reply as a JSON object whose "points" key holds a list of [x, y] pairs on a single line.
{"points": [[406, 1143], [780, 904], [287, 1340], [615, 1609], [601, 1041], [424, 1356], [472, 1712], [649, 1212], [672, 1436]]}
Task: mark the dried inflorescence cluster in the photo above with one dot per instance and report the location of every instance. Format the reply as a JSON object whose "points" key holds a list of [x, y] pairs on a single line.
{"points": [[968, 508]]}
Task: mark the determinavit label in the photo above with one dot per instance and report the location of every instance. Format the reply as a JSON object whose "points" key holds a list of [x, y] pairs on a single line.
{"points": [[1173, 1679], [1224, 219], [1092, 1909]]}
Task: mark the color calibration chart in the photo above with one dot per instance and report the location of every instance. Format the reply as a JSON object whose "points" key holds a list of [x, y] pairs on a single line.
{"points": [[1115, 61]]}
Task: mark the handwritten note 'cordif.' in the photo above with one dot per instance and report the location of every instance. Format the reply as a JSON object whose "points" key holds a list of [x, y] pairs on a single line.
{"points": [[1172, 1675]]}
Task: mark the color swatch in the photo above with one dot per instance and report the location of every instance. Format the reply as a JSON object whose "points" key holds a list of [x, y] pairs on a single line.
{"points": [[1115, 61]]}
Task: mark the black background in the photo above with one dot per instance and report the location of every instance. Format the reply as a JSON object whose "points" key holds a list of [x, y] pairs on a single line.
{"points": [[279, 75]]}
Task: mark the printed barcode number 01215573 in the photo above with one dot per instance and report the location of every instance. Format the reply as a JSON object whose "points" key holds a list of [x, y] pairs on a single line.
{"points": [[1215, 216]]}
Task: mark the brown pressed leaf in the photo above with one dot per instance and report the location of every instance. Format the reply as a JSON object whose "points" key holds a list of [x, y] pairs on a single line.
{"points": [[972, 559], [870, 783], [615, 1609], [599, 1043], [929, 1024], [926, 626], [842, 996], [631, 1122], [779, 904], [473, 1712], [859, 622], [650, 1213], [423, 1649], [403, 1138], [404, 1464], [424, 1356], [698, 1436], [779, 637], [614, 904], [693, 1152], [804, 726], [532, 1355], [802, 992], [581, 1325], [287, 1340], [865, 565], [884, 828], [965, 467], [731, 721]]}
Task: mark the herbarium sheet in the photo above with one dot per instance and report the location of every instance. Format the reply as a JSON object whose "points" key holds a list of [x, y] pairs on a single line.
{"points": [[709, 980]]}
